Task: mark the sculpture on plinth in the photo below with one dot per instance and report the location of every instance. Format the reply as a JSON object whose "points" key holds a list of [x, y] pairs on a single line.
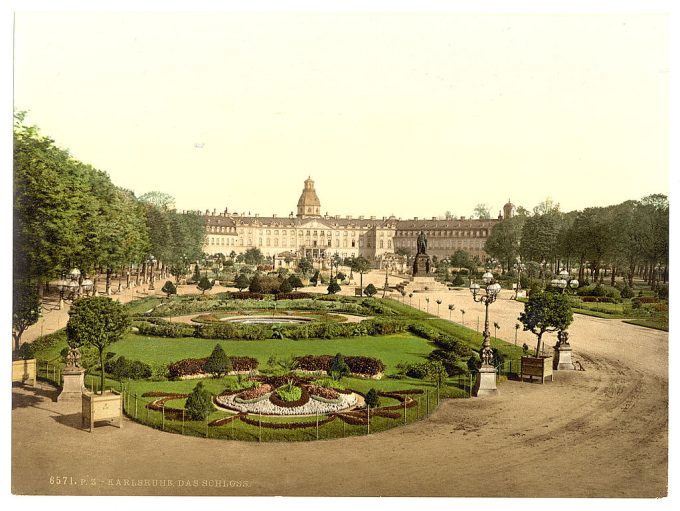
{"points": [[73, 358], [421, 264], [73, 375], [421, 243]]}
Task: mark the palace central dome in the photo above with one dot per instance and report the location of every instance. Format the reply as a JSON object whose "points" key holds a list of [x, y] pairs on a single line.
{"points": [[308, 204]]}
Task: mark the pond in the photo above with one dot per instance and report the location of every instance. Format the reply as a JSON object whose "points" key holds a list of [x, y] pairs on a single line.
{"points": [[266, 320]]}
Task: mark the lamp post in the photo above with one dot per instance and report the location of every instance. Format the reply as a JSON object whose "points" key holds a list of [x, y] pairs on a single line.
{"points": [[562, 359], [71, 287], [151, 260], [485, 385], [519, 267]]}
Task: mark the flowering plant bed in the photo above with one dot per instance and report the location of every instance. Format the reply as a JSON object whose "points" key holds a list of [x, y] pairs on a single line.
{"points": [[277, 400], [158, 405], [255, 392], [289, 393], [337, 400], [196, 366], [273, 406], [323, 392], [358, 365], [285, 425]]}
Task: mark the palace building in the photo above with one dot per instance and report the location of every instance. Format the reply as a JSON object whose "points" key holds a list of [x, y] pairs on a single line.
{"points": [[309, 234]]}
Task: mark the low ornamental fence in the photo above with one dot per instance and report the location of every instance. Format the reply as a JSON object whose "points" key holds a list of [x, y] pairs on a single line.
{"points": [[167, 414]]}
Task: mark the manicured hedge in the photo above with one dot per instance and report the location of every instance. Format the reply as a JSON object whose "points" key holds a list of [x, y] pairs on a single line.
{"points": [[122, 367], [165, 329], [191, 366], [245, 295], [230, 330], [293, 296], [285, 425], [357, 365], [441, 339], [598, 299]]}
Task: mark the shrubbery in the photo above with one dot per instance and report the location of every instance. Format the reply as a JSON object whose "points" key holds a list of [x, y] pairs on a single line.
{"points": [[600, 290], [123, 368], [192, 366], [293, 296], [357, 365], [639, 300], [199, 403], [164, 329], [47, 342], [662, 292]]}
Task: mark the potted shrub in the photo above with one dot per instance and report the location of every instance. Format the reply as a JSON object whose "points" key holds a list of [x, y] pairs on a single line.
{"points": [[99, 322], [543, 312]]}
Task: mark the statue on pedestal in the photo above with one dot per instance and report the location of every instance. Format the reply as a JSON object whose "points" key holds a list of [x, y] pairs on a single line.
{"points": [[421, 243], [421, 264]]}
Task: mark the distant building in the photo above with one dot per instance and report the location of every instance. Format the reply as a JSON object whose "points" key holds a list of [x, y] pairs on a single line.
{"points": [[309, 234]]}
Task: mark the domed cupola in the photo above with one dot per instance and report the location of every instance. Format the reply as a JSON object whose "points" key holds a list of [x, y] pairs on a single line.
{"points": [[508, 210], [308, 205]]}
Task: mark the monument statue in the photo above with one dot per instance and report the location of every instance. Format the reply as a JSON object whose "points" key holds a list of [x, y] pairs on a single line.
{"points": [[421, 264], [421, 243]]}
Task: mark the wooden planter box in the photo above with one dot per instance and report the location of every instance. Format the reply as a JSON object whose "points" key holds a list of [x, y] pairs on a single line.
{"points": [[98, 407], [540, 367], [24, 370]]}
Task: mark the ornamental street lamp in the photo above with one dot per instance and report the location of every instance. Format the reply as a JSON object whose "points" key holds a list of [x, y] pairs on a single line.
{"points": [[151, 260], [71, 287], [485, 384], [519, 268], [562, 359]]}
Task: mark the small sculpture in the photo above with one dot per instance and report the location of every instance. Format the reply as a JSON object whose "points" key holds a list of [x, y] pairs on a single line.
{"points": [[73, 359], [562, 338]]}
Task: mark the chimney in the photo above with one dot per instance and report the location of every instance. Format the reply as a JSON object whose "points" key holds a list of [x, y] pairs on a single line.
{"points": [[361, 217], [415, 218], [434, 218], [273, 215], [373, 218]]}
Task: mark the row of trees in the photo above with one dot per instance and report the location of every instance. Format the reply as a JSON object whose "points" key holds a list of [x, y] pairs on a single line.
{"points": [[631, 238], [68, 214]]}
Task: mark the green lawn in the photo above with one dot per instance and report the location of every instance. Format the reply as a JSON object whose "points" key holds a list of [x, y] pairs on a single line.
{"points": [[391, 349]]}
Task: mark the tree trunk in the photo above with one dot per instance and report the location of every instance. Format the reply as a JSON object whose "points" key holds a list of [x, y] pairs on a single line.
{"points": [[101, 361], [538, 344], [613, 276], [108, 281]]}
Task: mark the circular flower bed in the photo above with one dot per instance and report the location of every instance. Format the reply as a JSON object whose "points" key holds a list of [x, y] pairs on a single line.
{"points": [[323, 401]]}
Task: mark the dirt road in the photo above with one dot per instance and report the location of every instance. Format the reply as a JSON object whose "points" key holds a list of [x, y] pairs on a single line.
{"points": [[598, 433]]}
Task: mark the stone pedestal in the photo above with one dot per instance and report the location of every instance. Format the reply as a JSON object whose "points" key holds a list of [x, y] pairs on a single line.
{"points": [[421, 265], [562, 359], [74, 384], [485, 385], [424, 284]]}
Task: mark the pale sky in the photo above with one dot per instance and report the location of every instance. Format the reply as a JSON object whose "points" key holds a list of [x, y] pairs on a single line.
{"points": [[411, 114]]}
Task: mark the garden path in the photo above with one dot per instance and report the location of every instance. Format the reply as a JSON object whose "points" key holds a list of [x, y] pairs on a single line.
{"points": [[602, 432]]}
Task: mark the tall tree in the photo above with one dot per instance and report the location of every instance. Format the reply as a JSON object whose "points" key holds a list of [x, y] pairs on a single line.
{"points": [[25, 309], [503, 242], [360, 265], [98, 322], [482, 212], [546, 312]]}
